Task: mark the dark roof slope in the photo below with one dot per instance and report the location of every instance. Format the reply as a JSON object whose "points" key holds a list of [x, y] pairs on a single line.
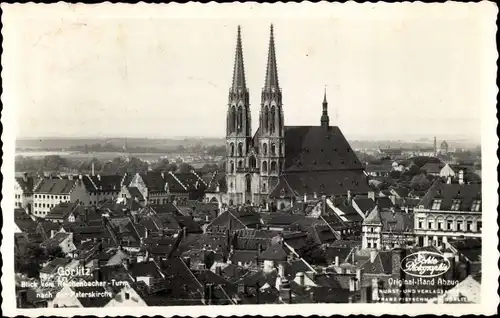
{"points": [[466, 193], [55, 186], [314, 148]]}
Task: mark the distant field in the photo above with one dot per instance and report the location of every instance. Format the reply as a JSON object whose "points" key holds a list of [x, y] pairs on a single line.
{"points": [[64, 143], [102, 156]]}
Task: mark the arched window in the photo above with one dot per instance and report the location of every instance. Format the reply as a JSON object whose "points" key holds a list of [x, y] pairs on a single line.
{"points": [[240, 149], [272, 121], [248, 183], [253, 162], [240, 164], [232, 119], [282, 206], [274, 167], [266, 119], [264, 166], [273, 149], [232, 167], [240, 119], [231, 202], [264, 188], [265, 149], [231, 153]]}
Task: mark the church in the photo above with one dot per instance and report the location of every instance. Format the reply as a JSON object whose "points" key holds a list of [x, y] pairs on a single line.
{"points": [[282, 164]]}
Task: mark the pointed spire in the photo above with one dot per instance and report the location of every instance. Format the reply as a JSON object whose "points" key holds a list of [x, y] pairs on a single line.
{"points": [[272, 69], [239, 68], [325, 119]]}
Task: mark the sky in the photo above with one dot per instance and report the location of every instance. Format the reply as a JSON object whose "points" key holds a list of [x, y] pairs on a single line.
{"points": [[389, 71]]}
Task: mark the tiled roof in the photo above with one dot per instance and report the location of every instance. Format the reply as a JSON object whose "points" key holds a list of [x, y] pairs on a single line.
{"points": [[374, 217], [275, 252], [155, 181], [387, 167], [23, 221], [280, 219], [135, 193], [283, 189], [166, 208], [27, 184], [55, 186], [326, 182], [342, 252], [54, 241], [432, 167], [384, 203], [365, 204], [314, 148], [54, 265], [62, 210], [190, 181], [105, 183], [402, 192], [466, 193], [147, 269]]}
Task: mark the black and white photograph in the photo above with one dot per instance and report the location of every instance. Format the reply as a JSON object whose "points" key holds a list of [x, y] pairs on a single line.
{"points": [[216, 156]]}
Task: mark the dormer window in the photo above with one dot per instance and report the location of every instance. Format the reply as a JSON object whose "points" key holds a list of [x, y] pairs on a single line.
{"points": [[455, 205], [476, 206], [436, 204]]}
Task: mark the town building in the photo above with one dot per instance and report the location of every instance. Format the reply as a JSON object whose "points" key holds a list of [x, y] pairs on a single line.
{"points": [[448, 211], [51, 192], [307, 159], [23, 191]]}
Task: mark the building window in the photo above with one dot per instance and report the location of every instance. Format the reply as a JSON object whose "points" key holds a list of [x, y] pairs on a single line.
{"points": [[436, 204], [127, 296], [430, 224], [460, 225], [369, 244], [455, 205], [265, 149], [479, 226], [273, 149], [440, 224], [476, 205], [274, 167], [240, 164], [420, 223], [264, 187], [469, 226], [264, 166], [232, 167], [449, 225], [240, 150], [371, 230]]}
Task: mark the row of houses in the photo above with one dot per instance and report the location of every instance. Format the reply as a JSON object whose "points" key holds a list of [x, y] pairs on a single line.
{"points": [[40, 195]]}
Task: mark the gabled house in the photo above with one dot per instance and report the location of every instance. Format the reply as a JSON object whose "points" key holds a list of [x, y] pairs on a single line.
{"points": [[23, 191], [102, 187], [61, 240], [50, 192]]}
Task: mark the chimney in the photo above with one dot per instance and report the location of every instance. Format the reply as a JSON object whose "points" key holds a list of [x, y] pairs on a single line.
{"points": [[305, 198], [461, 177], [373, 255], [349, 196], [337, 261], [80, 177], [359, 278], [301, 278], [146, 233], [187, 260], [352, 284], [163, 175], [218, 270], [311, 295], [93, 170], [371, 195], [52, 233], [184, 232]]}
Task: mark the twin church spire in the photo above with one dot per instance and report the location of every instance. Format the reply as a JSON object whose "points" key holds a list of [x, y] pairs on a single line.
{"points": [[271, 84]]}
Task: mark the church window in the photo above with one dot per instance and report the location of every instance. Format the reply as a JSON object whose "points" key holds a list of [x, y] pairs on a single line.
{"points": [[264, 166], [240, 164], [240, 119], [273, 166], [272, 120], [232, 167], [240, 150], [264, 187], [231, 150], [248, 183], [232, 120], [273, 149], [253, 162], [266, 119], [265, 149]]}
